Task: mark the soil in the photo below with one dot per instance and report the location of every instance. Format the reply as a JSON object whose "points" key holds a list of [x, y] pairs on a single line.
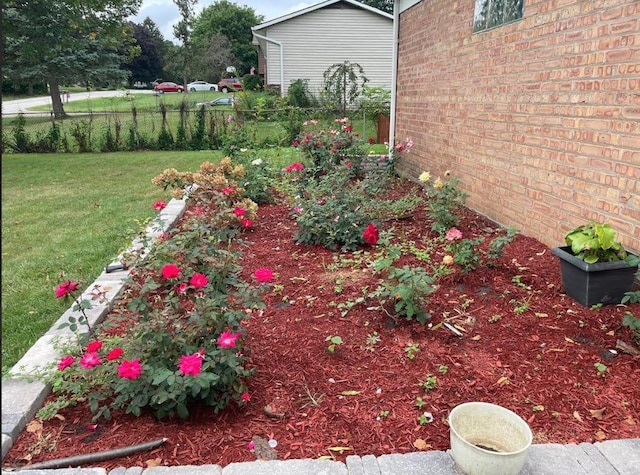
{"points": [[524, 345]]}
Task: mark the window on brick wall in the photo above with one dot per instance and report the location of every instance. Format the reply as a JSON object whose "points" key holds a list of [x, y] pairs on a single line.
{"points": [[492, 13]]}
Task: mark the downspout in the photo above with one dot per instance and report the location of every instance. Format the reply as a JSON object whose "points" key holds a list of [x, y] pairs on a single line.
{"points": [[279, 44], [394, 75]]}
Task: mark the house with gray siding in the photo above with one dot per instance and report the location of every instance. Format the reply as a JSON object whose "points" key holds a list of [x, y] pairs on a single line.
{"points": [[304, 44]]}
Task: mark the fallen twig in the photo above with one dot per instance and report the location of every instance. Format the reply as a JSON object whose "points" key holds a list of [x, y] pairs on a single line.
{"points": [[78, 460]]}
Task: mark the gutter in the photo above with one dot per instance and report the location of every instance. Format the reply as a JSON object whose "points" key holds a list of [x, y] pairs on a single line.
{"points": [[279, 44], [394, 77]]}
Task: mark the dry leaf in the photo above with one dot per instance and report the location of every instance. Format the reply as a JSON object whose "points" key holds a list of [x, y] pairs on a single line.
{"points": [[503, 380], [601, 435], [339, 449], [421, 444], [577, 415], [35, 427], [476, 338], [611, 333], [597, 413], [566, 338], [153, 462], [350, 393], [630, 420]]}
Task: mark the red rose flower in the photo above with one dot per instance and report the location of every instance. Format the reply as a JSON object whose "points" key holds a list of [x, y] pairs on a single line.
{"points": [[66, 288], [159, 205], [370, 234]]}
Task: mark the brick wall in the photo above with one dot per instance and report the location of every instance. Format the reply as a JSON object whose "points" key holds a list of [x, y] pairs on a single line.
{"points": [[540, 119]]}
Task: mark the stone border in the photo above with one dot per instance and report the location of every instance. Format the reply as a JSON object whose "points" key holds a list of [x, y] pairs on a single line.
{"points": [[22, 398]]}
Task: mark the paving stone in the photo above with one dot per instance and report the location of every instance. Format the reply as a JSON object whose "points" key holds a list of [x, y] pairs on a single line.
{"points": [[417, 463], [286, 467], [184, 470], [590, 459], [126, 471], [20, 402], [38, 357], [370, 465], [7, 443], [551, 459], [623, 454], [354, 465], [60, 471]]}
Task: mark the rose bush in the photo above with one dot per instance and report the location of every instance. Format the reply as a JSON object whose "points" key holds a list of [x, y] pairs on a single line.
{"points": [[186, 346]]}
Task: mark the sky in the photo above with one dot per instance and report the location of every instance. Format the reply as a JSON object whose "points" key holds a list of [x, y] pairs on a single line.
{"points": [[165, 13]]}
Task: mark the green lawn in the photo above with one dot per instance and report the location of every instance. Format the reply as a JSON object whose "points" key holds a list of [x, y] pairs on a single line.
{"points": [[66, 216]]}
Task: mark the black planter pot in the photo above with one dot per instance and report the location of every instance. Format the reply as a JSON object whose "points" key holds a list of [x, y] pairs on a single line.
{"points": [[591, 284]]}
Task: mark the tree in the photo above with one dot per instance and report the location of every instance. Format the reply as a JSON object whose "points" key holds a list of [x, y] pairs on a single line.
{"points": [[214, 59], [64, 41], [341, 84], [384, 5], [182, 31], [148, 65], [234, 22]]}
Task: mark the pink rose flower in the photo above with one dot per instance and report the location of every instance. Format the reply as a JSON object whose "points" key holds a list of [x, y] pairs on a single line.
{"points": [[191, 364], [182, 288], [239, 211], [130, 369], [227, 339], [170, 271], [89, 360], [263, 275], [246, 397], [247, 223], [295, 166], [198, 281], [453, 235], [227, 191]]}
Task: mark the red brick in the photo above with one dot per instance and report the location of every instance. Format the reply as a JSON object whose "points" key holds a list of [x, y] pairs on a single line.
{"points": [[540, 117]]}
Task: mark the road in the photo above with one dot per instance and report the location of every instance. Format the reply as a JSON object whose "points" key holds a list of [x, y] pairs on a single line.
{"points": [[13, 108]]}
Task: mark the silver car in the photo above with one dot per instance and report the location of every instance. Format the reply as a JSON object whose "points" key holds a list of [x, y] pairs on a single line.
{"points": [[201, 86]]}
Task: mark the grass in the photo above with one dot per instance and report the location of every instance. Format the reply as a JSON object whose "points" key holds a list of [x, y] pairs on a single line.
{"points": [[142, 101], [66, 216]]}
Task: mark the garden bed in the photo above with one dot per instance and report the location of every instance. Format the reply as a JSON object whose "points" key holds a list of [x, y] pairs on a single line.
{"points": [[390, 384]]}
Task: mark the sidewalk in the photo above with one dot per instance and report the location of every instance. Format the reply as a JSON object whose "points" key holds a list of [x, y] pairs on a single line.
{"points": [[21, 400]]}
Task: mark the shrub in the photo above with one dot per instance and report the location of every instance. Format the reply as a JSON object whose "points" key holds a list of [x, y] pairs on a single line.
{"points": [[445, 200], [338, 145], [188, 304], [329, 211]]}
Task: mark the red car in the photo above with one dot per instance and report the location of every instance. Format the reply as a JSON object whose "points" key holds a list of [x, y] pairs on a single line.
{"points": [[229, 84], [168, 87]]}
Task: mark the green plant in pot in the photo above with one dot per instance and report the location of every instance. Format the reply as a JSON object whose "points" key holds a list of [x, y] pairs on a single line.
{"points": [[595, 267], [595, 242]]}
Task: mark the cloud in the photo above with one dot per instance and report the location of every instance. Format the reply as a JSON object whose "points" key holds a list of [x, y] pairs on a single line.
{"points": [[165, 13]]}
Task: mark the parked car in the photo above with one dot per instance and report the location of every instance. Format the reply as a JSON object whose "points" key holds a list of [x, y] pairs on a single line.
{"points": [[220, 101], [168, 87], [201, 86], [229, 84], [156, 82]]}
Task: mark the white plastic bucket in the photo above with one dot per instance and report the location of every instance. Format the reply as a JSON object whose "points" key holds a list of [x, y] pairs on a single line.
{"points": [[487, 439]]}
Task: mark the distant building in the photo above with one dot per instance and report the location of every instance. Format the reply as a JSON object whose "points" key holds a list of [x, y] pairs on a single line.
{"points": [[304, 44]]}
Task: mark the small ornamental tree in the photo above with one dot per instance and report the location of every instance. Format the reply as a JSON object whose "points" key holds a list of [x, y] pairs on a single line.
{"points": [[343, 83]]}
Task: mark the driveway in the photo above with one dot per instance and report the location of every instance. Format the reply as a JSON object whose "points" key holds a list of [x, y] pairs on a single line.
{"points": [[13, 108]]}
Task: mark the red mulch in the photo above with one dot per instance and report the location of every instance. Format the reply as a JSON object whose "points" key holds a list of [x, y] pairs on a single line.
{"points": [[538, 363]]}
